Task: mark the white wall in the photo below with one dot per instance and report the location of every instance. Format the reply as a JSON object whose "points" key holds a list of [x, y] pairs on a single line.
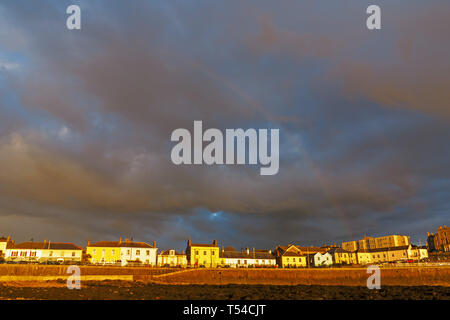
{"points": [[127, 253]]}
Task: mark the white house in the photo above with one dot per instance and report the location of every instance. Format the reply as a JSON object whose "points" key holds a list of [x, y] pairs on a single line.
{"points": [[247, 258], [319, 259], [44, 252], [138, 251]]}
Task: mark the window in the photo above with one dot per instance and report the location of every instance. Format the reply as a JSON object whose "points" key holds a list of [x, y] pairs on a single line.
{"points": [[212, 252], [113, 252], [51, 254], [103, 252], [148, 252], [128, 252], [204, 253], [73, 254], [293, 259], [196, 252], [138, 252], [94, 251], [23, 253]]}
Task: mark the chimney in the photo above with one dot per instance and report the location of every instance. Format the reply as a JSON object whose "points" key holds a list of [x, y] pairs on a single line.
{"points": [[189, 242], [45, 240], [120, 241], [154, 244], [89, 242], [223, 248], [127, 240], [247, 250], [270, 251], [182, 251], [215, 242], [9, 238]]}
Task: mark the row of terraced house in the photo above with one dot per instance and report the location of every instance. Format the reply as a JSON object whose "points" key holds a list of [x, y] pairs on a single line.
{"points": [[393, 248]]}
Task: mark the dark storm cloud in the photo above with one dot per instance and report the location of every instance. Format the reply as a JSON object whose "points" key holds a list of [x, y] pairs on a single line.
{"points": [[363, 132]]}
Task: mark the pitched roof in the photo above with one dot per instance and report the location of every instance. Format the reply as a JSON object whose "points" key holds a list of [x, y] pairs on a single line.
{"points": [[203, 245], [167, 252], [314, 253], [245, 255], [120, 244], [338, 250], [292, 254], [308, 250], [289, 251], [46, 246]]}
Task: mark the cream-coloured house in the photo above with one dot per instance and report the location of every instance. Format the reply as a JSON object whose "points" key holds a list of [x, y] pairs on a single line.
{"points": [[42, 252], [363, 256], [171, 258], [247, 259], [392, 254], [417, 253]]}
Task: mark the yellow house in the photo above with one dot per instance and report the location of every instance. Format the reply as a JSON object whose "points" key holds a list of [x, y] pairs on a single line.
{"points": [[171, 258], [341, 256], [363, 256], [4, 244], [104, 252], [290, 257], [203, 255], [122, 252]]}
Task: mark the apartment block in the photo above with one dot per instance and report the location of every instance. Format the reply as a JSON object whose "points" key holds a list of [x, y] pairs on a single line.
{"points": [[377, 243], [439, 241]]}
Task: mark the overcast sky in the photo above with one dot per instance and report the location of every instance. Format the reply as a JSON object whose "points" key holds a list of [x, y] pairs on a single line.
{"points": [[86, 118]]}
